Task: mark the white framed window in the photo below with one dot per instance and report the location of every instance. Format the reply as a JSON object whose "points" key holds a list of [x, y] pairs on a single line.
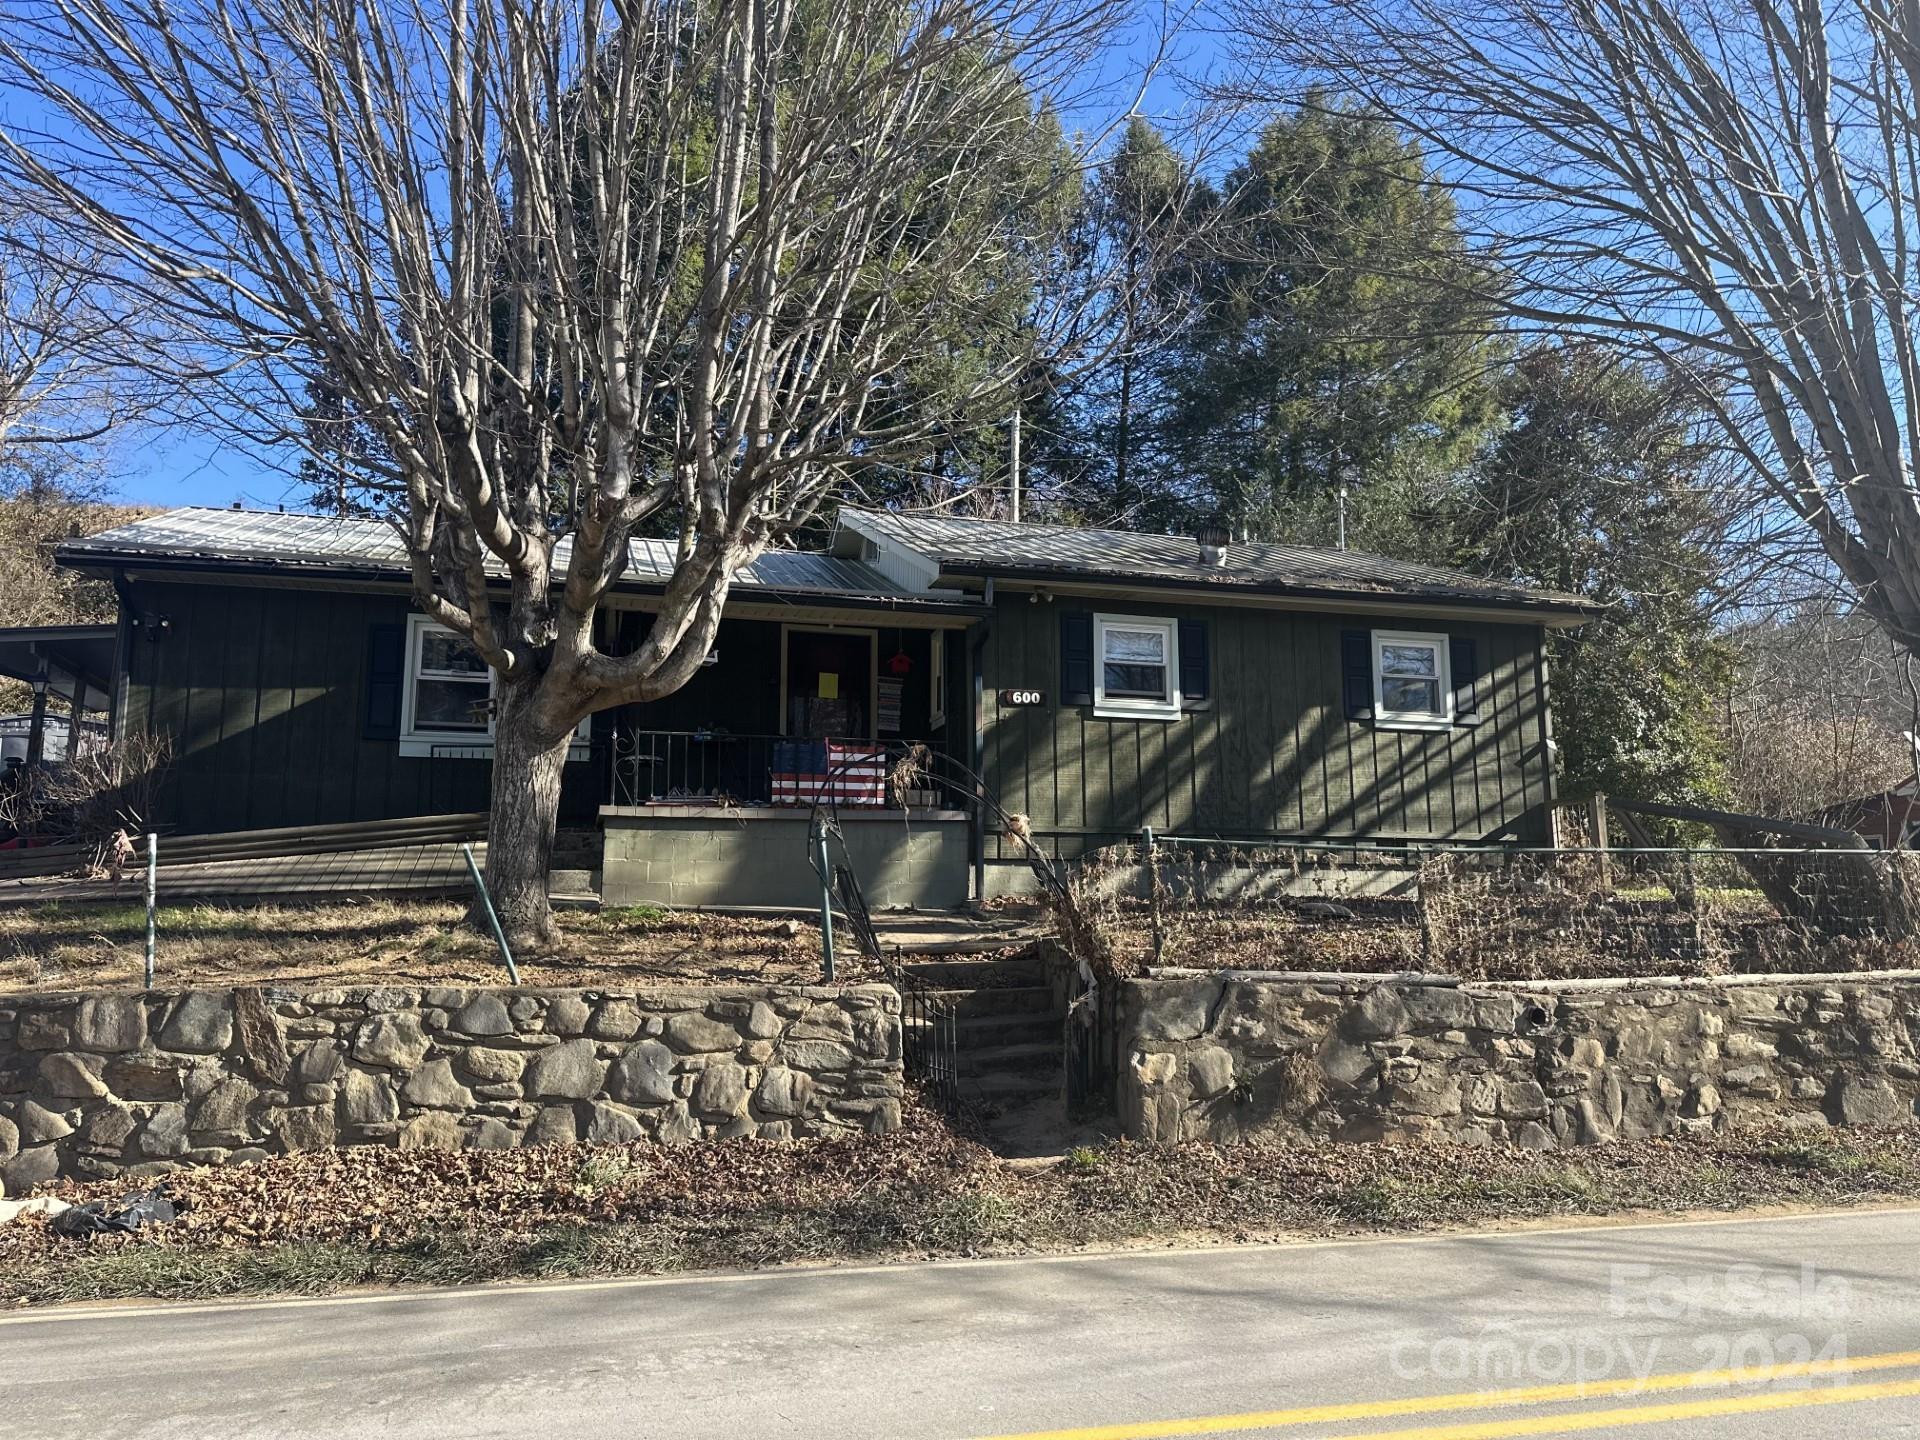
{"points": [[1136, 667], [446, 708], [1412, 688]]}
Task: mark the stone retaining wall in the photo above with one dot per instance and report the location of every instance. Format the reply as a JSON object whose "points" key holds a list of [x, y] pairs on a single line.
{"points": [[1226, 1056], [100, 1085]]}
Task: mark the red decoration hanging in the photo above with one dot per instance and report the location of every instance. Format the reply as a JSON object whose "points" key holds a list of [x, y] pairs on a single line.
{"points": [[901, 663]]}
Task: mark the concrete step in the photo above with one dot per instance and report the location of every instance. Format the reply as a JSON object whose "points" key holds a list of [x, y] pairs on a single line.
{"points": [[1005, 1091], [977, 1032], [1038, 1055], [573, 889], [978, 974], [1019, 1000]]}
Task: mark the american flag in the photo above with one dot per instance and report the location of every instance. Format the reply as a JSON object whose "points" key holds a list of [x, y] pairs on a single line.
{"points": [[806, 771]]}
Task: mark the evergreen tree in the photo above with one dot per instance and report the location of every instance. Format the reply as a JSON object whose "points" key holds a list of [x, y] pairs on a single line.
{"points": [[1331, 344], [1137, 215], [1604, 487]]}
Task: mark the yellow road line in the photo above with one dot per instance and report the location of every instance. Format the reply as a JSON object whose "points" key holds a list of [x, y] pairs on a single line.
{"points": [[1490, 1399], [1654, 1414]]}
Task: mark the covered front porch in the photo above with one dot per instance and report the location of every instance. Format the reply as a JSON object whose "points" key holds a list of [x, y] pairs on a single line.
{"points": [[69, 669], [712, 790]]}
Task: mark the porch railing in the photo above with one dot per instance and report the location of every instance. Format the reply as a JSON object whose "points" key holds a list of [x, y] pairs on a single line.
{"points": [[708, 767]]}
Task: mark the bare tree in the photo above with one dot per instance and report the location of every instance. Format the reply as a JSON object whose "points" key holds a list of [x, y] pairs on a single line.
{"points": [[579, 268], [64, 343], [1733, 188], [1816, 715]]}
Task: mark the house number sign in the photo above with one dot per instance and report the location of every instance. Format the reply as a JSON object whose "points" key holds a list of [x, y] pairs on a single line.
{"points": [[1023, 698]]}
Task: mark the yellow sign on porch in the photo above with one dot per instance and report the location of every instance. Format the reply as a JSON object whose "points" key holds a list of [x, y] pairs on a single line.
{"points": [[829, 686]]}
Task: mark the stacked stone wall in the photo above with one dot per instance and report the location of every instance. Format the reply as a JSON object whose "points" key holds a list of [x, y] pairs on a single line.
{"points": [[109, 1084], [1228, 1056]]}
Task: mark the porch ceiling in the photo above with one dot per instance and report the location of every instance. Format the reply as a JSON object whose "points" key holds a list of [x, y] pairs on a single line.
{"points": [[69, 657]]}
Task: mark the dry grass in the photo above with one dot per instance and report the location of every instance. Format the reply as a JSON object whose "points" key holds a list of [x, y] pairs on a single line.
{"points": [[324, 1221], [73, 946], [1526, 919]]}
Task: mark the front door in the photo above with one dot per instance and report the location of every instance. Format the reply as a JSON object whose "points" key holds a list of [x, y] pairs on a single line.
{"points": [[829, 689]]}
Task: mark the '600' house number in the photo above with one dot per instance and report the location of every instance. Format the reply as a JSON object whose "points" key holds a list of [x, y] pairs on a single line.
{"points": [[1023, 697]]}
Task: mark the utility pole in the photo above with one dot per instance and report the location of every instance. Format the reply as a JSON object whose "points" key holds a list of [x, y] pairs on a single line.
{"points": [[1013, 464]]}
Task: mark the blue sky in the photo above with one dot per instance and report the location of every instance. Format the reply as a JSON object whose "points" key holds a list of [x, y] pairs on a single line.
{"points": [[178, 467]]}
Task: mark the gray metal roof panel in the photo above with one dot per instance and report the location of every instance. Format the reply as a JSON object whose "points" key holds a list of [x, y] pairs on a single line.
{"points": [[322, 544], [1005, 548]]}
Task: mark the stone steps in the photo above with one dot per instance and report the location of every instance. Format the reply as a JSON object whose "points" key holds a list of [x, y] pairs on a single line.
{"points": [[1013, 1059], [984, 1032], [1009, 1039], [1008, 1000], [1008, 1090], [979, 974], [576, 889]]}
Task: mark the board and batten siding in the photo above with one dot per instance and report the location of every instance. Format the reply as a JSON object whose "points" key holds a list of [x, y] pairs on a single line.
{"points": [[1273, 753], [263, 692]]}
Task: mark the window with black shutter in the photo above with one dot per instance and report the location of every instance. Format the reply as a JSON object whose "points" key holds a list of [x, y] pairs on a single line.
{"points": [[1356, 673], [1196, 664], [386, 680], [1076, 659], [1464, 657]]}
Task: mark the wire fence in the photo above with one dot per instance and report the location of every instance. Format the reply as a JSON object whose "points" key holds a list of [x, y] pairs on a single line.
{"points": [[1502, 913]]}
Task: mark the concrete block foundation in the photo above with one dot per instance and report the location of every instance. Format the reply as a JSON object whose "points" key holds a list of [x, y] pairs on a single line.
{"points": [[688, 857]]}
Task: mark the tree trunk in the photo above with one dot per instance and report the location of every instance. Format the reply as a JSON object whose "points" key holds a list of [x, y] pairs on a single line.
{"points": [[526, 808]]}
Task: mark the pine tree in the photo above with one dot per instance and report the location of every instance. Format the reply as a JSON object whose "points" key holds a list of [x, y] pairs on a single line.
{"points": [[1331, 343]]}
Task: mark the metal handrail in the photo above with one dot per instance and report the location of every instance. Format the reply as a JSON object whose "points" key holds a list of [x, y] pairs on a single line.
{"points": [[720, 767]]}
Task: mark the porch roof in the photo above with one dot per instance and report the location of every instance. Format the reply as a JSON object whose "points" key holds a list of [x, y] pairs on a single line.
{"points": [[256, 543], [71, 659]]}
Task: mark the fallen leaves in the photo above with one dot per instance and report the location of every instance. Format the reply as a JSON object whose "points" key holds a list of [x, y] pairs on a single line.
{"points": [[319, 1220]]}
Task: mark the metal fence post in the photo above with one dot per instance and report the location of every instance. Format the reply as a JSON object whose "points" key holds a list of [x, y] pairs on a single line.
{"points": [[1153, 890], [486, 901], [153, 890], [1602, 841], [826, 895]]}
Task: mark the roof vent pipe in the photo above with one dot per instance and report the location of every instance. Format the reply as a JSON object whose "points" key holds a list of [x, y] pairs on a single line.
{"points": [[1213, 538]]}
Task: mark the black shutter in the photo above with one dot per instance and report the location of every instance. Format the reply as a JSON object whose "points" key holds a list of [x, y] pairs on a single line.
{"points": [[1463, 659], [386, 677], [1356, 673], [1195, 668], [1076, 659]]}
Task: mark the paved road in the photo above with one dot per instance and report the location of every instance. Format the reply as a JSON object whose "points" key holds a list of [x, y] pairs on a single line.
{"points": [[1377, 1338]]}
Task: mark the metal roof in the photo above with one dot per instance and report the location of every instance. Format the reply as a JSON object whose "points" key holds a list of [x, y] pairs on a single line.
{"points": [[996, 547], [270, 541]]}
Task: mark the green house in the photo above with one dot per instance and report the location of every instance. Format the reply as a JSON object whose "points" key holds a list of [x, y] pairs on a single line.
{"points": [[1094, 682]]}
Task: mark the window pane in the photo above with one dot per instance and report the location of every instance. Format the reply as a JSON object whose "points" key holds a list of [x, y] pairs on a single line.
{"points": [[1401, 695], [1145, 647], [449, 705], [1136, 682], [1409, 660], [443, 650]]}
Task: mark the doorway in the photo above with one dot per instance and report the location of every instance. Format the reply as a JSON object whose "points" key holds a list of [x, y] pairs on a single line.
{"points": [[828, 680]]}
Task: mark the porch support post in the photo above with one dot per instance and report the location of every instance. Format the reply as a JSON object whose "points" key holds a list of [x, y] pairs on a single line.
{"points": [[37, 725], [977, 636]]}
